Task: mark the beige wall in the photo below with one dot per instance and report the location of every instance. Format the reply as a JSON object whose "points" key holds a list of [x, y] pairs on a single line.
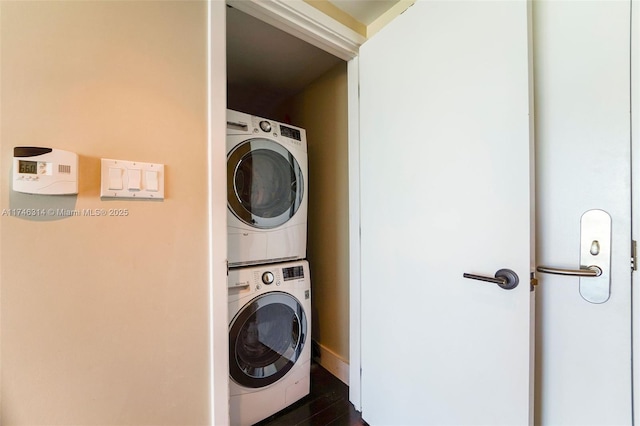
{"points": [[322, 110], [104, 320]]}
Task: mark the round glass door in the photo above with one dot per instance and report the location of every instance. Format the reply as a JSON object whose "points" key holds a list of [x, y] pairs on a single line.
{"points": [[265, 339], [264, 183]]}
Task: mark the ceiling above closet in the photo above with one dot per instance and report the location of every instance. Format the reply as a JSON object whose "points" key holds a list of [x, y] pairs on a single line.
{"points": [[266, 65]]}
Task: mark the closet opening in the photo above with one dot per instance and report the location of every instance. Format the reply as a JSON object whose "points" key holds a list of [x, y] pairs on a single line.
{"points": [[279, 77]]}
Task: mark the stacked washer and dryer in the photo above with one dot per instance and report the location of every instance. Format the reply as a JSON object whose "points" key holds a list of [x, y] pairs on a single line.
{"points": [[269, 283]]}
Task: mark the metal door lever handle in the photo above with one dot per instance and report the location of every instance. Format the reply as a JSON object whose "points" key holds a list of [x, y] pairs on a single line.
{"points": [[594, 270], [591, 271], [505, 278], [498, 280]]}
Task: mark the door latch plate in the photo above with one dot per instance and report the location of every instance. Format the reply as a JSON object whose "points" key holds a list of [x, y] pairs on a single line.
{"points": [[595, 251]]}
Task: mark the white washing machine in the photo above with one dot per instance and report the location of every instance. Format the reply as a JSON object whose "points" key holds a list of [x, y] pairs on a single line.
{"points": [[269, 339], [266, 190]]}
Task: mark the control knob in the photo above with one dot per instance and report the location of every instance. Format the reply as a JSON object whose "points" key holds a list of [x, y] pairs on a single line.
{"points": [[268, 278], [265, 126]]}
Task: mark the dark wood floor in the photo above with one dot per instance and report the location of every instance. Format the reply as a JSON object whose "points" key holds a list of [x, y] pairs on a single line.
{"points": [[327, 404]]}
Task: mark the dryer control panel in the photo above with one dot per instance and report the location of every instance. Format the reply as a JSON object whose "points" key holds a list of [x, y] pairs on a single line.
{"points": [[290, 132], [273, 127]]}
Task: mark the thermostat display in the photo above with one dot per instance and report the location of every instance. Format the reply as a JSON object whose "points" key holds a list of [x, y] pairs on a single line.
{"points": [[28, 167], [48, 171]]}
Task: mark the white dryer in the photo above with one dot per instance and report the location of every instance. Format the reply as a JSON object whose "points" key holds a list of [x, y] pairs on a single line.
{"points": [[266, 190], [269, 339]]}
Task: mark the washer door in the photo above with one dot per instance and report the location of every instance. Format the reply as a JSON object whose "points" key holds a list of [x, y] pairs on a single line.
{"points": [[265, 339], [264, 183]]}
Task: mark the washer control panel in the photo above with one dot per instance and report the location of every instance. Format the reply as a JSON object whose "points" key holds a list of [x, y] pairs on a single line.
{"points": [[267, 277], [290, 275]]}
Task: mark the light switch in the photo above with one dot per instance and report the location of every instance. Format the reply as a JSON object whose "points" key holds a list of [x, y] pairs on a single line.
{"points": [[131, 179], [115, 178], [151, 178], [134, 176]]}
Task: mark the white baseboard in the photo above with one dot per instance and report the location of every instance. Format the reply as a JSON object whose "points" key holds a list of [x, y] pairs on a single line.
{"points": [[333, 363]]}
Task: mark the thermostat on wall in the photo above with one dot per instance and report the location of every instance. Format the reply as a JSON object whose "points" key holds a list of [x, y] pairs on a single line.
{"points": [[47, 171]]}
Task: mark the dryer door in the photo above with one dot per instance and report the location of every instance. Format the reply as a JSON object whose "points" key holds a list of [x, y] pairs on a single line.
{"points": [[265, 339], [264, 183]]}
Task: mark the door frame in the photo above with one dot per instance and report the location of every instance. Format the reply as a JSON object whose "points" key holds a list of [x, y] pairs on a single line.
{"points": [[635, 201], [217, 217]]}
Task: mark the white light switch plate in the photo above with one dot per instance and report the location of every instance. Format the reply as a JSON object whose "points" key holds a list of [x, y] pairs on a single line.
{"points": [[131, 179]]}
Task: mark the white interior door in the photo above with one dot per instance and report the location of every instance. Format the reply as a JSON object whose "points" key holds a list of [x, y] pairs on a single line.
{"points": [[445, 190], [582, 94]]}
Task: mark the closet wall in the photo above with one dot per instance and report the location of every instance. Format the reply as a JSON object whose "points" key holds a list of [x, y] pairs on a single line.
{"points": [[321, 108]]}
